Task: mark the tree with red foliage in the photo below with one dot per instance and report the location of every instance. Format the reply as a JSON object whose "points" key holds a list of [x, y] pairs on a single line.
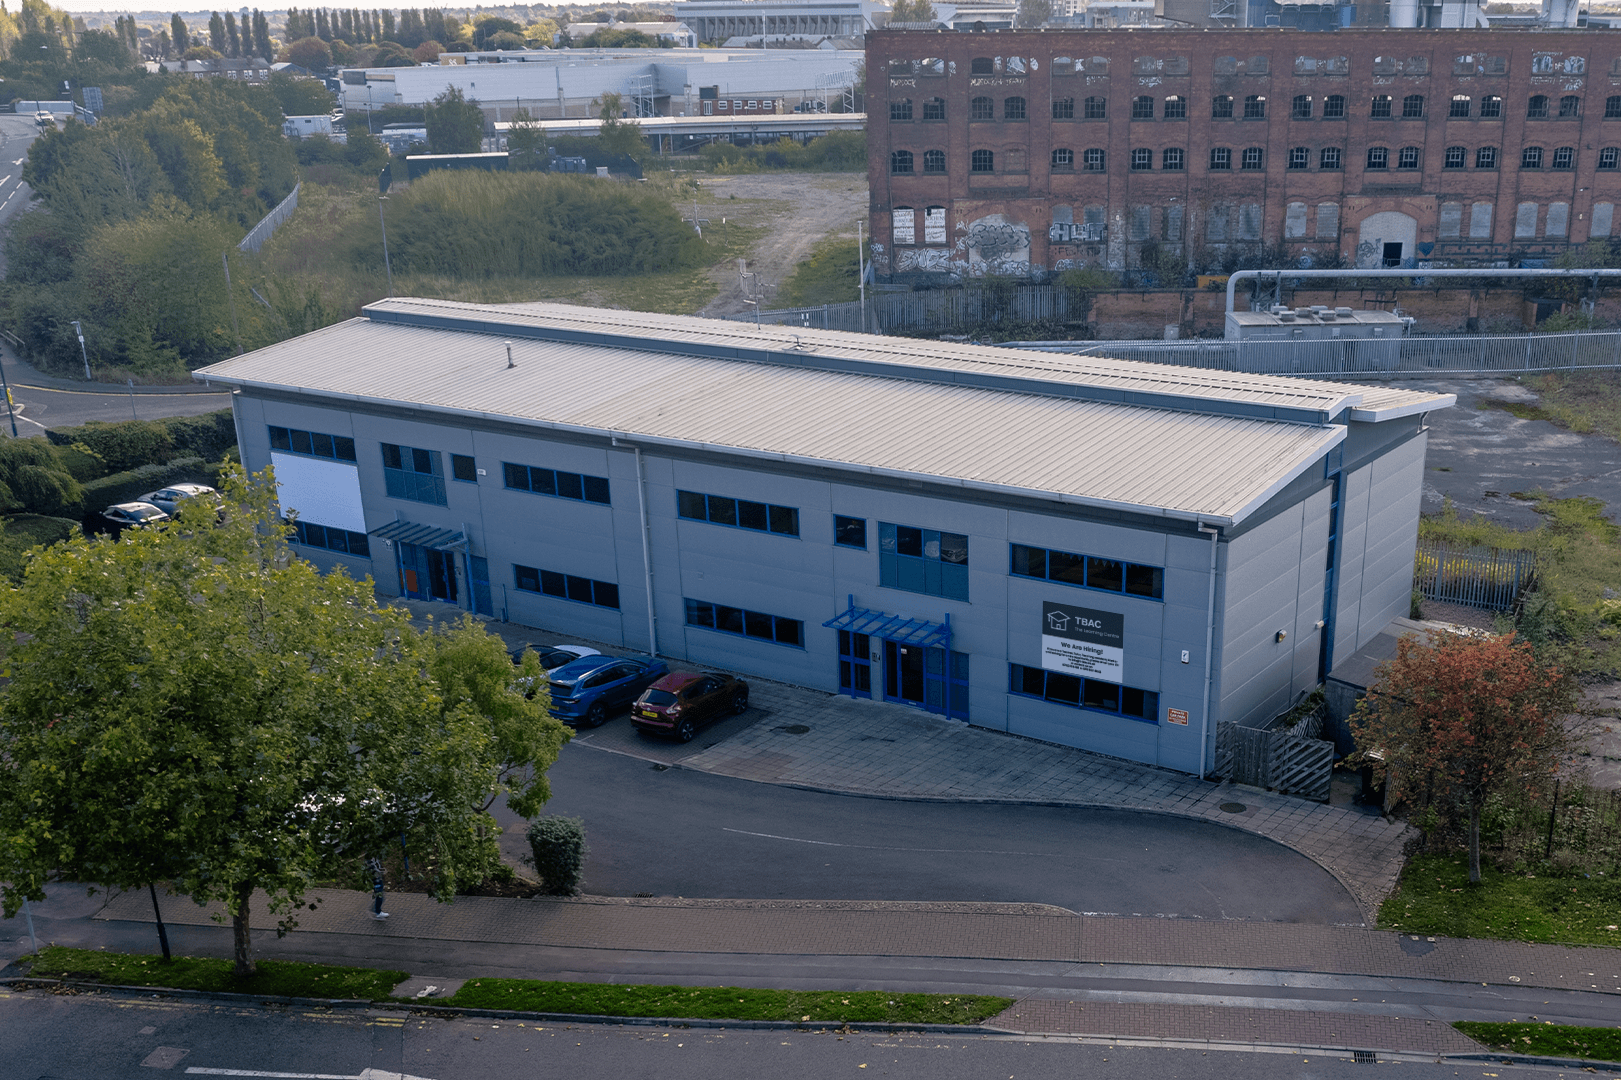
{"points": [[1469, 717]]}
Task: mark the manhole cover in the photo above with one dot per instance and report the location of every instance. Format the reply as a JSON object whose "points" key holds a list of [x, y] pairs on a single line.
{"points": [[1233, 808], [794, 729]]}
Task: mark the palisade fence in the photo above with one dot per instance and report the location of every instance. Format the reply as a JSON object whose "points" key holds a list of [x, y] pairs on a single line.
{"points": [[959, 310], [1574, 824], [270, 222], [1293, 760], [1489, 578]]}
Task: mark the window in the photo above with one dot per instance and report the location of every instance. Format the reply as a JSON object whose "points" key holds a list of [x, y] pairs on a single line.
{"points": [[1141, 159], [1334, 107], [555, 482], [1087, 571], [900, 162], [1064, 108], [1142, 108], [1531, 157], [934, 221], [981, 65], [1608, 157], [1460, 107], [738, 513], [903, 225], [1329, 158], [1612, 108], [752, 624], [1570, 106], [1300, 108], [1221, 158], [1299, 157], [1221, 107], [1564, 157], [566, 586], [1381, 107], [900, 110], [923, 561], [340, 540], [1173, 159], [410, 473], [1454, 158], [1378, 157], [1255, 107], [982, 108], [1093, 160], [1525, 221], [934, 161], [1486, 157], [1412, 107], [850, 531], [1176, 108], [1097, 108], [1491, 107], [1537, 108], [1063, 160], [1328, 221], [934, 109], [982, 161], [1013, 160], [1407, 158], [1254, 158], [312, 444], [463, 468], [1013, 109], [1080, 693]]}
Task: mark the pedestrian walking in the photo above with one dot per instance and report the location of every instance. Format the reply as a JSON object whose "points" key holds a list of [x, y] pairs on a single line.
{"points": [[375, 865]]}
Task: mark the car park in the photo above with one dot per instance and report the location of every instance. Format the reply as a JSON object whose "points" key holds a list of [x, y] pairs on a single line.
{"points": [[120, 516], [167, 499], [682, 702], [587, 690]]}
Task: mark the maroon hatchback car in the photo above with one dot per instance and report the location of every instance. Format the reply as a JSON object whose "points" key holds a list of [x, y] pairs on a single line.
{"points": [[684, 701]]}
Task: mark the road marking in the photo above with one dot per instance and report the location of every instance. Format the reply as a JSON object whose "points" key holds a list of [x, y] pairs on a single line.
{"points": [[19, 161], [924, 850], [4, 178], [368, 1074]]}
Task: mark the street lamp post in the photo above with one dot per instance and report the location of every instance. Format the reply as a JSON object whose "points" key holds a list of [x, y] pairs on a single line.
{"points": [[80, 331], [381, 199]]}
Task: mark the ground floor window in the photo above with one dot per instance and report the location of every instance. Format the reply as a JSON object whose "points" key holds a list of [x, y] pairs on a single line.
{"points": [[1081, 693], [752, 624], [566, 586], [339, 540]]}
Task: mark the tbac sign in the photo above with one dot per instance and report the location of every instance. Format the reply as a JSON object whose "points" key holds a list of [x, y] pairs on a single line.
{"points": [[1082, 642]]}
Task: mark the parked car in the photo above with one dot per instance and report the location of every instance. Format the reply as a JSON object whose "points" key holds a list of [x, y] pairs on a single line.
{"points": [[552, 656], [684, 701], [166, 499], [585, 691], [120, 516], [44, 119]]}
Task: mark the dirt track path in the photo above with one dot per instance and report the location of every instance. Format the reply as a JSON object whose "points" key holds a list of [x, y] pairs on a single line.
{"points": [[797, 209]]}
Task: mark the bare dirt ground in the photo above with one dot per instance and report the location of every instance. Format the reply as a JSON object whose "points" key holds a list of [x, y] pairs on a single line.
{"points": [[798, 210]]}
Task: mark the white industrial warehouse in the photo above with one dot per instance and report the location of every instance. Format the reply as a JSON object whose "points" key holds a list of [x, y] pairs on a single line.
{"points": [[1106, 554]]}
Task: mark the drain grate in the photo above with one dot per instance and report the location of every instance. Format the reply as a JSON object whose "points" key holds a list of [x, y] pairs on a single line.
{"points": [[1364, 1057], [1233, 808]]}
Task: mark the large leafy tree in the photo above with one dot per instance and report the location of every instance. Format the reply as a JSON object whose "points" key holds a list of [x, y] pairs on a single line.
{"points": [[455, 125], [190, 703], [1462, 719], [912, 11]]}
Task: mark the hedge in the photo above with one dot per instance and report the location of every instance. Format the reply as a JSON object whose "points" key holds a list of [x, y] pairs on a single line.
{"points": [[129, 444]]}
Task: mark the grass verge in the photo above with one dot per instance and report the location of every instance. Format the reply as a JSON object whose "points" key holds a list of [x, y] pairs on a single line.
{"points": [[1435, 897], [277, 977], [1547, 1040], [828, 276], [727, 1003]]}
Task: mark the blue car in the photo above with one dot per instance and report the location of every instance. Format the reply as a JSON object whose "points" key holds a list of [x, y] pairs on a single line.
{"points": [[585, 691]]}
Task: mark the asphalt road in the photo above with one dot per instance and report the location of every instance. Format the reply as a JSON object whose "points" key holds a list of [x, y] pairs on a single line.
{"points": [[97, 1037], [40, 407], [17, 134], [678, 832]]}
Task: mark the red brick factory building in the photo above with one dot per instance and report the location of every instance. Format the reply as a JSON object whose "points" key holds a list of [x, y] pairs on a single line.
{"points": [[1028, 152]]}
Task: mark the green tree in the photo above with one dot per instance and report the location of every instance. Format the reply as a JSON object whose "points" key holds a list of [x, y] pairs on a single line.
{"points": [[1033, 13], [455, 125], [619, 136], [526, 141], [310, 52], [261, 36], [216, 34], [178, 34], [300, 96], [613, 37], [912, 11], [193, 704]]}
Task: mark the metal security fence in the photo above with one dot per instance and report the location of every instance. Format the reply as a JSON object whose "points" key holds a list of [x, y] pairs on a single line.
{"points": [[270, 222], [1489, 578]]}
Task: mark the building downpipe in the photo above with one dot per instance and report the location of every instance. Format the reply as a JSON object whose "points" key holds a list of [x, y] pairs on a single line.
{"points": [[1209, 647], [647, 556]]}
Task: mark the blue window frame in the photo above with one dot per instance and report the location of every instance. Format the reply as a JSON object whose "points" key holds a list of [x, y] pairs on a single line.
{"points": [[737, 513], [751, 624], [413, 473], [555, 482], [850, 531], [1087, 571], [923, 561], [1061, 689], [463, 468], [324, 536], [566, 586], [312, 443]]}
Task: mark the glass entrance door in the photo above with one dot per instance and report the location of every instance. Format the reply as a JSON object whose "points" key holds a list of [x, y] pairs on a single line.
{"points": [[903, 673], [855, 664], [426, 574], [931, 678]]}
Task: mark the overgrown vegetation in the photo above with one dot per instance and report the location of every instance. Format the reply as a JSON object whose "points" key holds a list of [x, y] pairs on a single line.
{"points": [[837, 151], [1546, 1040], [279, 977], [1542, 903], [827, 276], [728, 1002]]}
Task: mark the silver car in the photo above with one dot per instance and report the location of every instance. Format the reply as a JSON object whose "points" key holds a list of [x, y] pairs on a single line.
{"points": [[166, 499]]}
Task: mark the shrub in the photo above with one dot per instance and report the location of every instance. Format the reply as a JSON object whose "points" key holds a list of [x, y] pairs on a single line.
{"points": [[208, 436], [124, 445], [559, 846], [34, 478]]}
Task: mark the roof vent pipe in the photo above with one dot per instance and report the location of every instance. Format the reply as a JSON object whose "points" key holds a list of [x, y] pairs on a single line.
{"points": [[511, 363]]}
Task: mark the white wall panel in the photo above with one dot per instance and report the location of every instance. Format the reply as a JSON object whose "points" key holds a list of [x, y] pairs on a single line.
{"points": [[322, 492]]}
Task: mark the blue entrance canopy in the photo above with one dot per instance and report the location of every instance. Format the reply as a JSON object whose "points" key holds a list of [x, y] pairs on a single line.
{"points": [[896, 628], [407, 532]]}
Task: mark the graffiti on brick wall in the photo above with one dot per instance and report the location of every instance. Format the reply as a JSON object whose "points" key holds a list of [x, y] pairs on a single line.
{"points": [[998, 246], [926, 260]]}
